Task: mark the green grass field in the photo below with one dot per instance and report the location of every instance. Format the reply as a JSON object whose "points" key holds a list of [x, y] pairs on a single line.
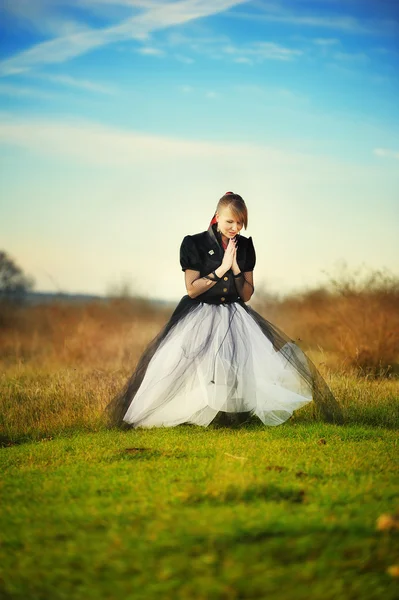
{"points": [[193, 513], [305, 510]]}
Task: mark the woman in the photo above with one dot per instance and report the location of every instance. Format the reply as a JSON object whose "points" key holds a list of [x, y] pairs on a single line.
{"points": [[216, 357]]}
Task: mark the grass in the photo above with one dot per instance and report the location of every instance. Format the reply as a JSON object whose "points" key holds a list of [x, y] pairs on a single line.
{"points": [[199, 513], [295, 511], [38, 402]]}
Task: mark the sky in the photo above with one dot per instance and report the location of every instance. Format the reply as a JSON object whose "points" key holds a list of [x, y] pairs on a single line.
{"points": [[123, 122]]}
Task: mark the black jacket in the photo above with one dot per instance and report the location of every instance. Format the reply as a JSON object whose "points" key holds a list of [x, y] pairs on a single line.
{"points": [[204, 252]]}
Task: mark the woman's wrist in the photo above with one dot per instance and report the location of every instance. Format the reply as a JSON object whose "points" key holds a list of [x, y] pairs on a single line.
{"points": [[220, 271], [236, 270]]}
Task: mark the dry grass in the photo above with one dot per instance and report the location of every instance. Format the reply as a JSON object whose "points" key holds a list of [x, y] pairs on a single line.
{"points": [[104, 335], [355, 319], [62, 363], [38, 403], [353, 324]]}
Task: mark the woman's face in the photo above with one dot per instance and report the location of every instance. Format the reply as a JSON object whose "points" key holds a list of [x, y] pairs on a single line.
{"points": [[228, 224]]}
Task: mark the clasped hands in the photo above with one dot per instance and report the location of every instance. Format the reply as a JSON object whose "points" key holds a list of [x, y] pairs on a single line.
{"points": [[230, 258]]}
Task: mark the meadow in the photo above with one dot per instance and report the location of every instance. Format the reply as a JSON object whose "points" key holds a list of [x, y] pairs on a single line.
{"points": [[306, 509]]}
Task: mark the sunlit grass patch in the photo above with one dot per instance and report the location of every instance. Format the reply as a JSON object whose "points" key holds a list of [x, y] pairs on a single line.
{"points": [[201, 513]]}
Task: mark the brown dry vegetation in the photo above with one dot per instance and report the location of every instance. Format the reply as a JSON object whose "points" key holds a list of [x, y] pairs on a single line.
{"points": [[97, 335], [61, 363], [354, 319], [354, 325]]}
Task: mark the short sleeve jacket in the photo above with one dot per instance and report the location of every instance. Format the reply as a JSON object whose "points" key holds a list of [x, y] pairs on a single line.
{"points": [[204, 252]]}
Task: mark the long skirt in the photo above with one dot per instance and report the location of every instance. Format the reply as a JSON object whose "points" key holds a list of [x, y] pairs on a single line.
{"points": [[213, 360]]}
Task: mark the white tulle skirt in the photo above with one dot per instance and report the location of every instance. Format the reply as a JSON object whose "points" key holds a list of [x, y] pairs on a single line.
{"points": [[220, 358], [238, 371]]}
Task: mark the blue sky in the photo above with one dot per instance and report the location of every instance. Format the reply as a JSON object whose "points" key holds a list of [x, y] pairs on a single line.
{"points": [[123, 122]]}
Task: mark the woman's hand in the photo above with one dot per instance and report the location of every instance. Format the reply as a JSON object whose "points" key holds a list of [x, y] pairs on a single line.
{"points": [[230, 255], [234, 265]]}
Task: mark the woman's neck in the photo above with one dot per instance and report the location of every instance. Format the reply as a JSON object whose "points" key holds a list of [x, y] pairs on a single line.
{"points": [[220, 234], [223, 238]]}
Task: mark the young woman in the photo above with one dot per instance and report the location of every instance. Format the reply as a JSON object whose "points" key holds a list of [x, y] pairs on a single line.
{"points": [[216, 356]]}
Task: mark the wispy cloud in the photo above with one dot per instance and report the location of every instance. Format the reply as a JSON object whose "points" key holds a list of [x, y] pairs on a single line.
{"points": [[260, 51], [92, 143], [42, 16], [53, 17], [63, 80], [326, 41], [17, 91], [272, 94], [222, 48], [58, 50], [348, 24], [277, 12], [186, 89], [151, 51], [386, 153], [83, 84], [87, 142], [138, 27], [244, 60], [351, 57], [189, 89]]}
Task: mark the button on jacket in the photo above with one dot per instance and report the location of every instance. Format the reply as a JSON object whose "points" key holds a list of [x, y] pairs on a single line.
{"points": [[204, 252]]}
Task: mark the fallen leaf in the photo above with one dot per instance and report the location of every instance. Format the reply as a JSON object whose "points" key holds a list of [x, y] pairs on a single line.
{"points": [[387, 522], [393, 570]]}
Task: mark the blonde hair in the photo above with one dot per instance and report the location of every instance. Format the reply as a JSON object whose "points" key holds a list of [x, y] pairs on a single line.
{"points": [[236, 204]]}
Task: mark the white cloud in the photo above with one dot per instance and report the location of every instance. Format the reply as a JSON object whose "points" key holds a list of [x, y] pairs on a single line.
{"points": [[64, 80], [271, 50], [351, 57], [272, 94], [385, 153], [175, 38], [326, 41], [211, 95], [243, 60], [344, 23], [186, 89], [221, 47], [95, 144], [157, 17], [151, 51], [337, 22], [54, 51], [17, 91], [43, 16], [84, 84], [260, 51]]}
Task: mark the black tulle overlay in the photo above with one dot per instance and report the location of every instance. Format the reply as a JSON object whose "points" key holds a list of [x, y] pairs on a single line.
{"points": [[220, 359]]}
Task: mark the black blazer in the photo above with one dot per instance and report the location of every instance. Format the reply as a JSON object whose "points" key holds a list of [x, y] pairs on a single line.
{"points": [[204, 252]]}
